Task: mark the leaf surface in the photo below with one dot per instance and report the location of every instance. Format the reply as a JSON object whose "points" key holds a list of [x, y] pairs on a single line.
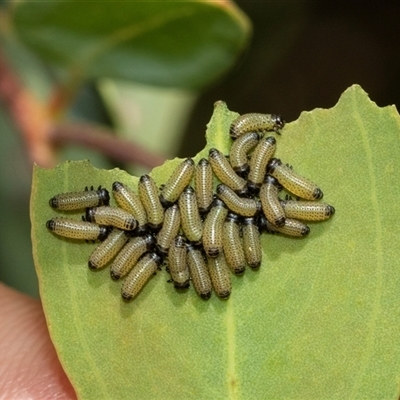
{"points": [[318, 320]]}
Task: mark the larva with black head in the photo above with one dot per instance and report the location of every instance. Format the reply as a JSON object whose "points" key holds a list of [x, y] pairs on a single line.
{"points": [[212, 229], [225, 173], [111, 216], [220, 276], [169, 230], [140, 275], [179, 179], [199, 272], [258, 163], [130, 254], [203, 181], [239, 150], [108, 249], [191, 223], [242, 206], [251, 242], [178, 267], [307, 210], [232, 245], [292, 181], [80, 200], [148, 194], [256, 122], [270, 203], [75, 229], [129, 201], [292, 227]]}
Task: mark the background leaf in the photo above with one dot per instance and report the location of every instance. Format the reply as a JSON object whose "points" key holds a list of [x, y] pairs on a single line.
{"points": [[318, 320], [176, 44]]}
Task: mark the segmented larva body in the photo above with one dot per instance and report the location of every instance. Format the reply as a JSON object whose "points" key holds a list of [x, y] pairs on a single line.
{"points": [[108, 249], [220, 276], [212, 229], [169, 230], [239, 205], [293, 182], [111, 216], [239, 150], [148, 193], [292, 227], [129, 201], [178, 267], [251, 242], [271, 205], [203, 181], [80, 200], [139, 275], [307, 210], [177, 182], [255, 122], [199, 272], [232, 245], [225, 173], [130, 254], [74, 229], [191, 223], [258, 163]]}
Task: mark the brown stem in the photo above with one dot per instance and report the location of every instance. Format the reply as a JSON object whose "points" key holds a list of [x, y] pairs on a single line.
{"points": [[102, 139]]}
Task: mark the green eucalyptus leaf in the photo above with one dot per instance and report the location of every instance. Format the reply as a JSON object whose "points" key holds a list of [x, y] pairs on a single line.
{"points": [[319, 320], [179, 44]]}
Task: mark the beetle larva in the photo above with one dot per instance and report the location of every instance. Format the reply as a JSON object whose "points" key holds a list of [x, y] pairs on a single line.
{"points": [[80, 200], [203, 180], [148, 194], [255, 122], [239, 149], [75, 229], [190, 218], [112, 216], [271, 206], [129, 201], [307, 210], [108, 249], [293, 182], [177, 182], [130, 254], [212, 231], [139, 275], [225, 173], [170, 228], [220, 276], [239, 205], [178, 268], [199, 272], [251, 242]]}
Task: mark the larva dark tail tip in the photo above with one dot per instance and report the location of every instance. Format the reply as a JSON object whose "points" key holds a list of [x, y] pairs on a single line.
{"points": [[50, 224], [115, 276], [182, 285], [92, 266], [165, 203], [224, 295], [239, 271], [205, 296], [331, 210], [305, 231], [252, 188], [104, 197], [213, 253], [318, 194], [53, 202], [255, 266], [126, 296], [116, 186]]}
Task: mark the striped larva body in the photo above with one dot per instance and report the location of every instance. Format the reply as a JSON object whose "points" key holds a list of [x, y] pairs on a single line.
{"points": [[244, 207], [191, 223], [199, 272], [178, 267], [169, 230], [108, 249], [203, 181], [129, 201], [139, 275], [251, 242], [129, 255], [292, 181], [75, 229], [307, 210], [232, 244], [220, 276], [271, 205], [258, 163], [80, 200], [179, 179], [255, 122], [212, 231], [225, 173], [292, 227], [148, 193], [111, 216], [239, 150]]}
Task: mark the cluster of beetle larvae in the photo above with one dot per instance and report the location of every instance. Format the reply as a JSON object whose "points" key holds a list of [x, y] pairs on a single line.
{"points": [[202, 236]]}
